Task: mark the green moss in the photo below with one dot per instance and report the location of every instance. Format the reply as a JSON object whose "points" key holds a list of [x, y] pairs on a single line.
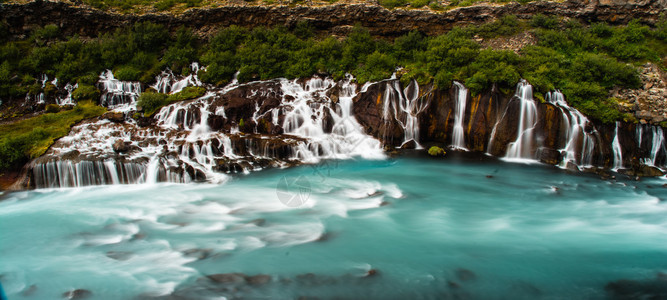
{"points": [[151, 101], [30, 138], [436, 151], [187, 93]]}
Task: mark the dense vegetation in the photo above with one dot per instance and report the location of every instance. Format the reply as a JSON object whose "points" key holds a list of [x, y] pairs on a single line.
{"points": [[30, 138], [585, 62]]}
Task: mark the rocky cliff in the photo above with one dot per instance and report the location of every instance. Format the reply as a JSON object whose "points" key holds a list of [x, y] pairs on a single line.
{"points": [[332, 19]]}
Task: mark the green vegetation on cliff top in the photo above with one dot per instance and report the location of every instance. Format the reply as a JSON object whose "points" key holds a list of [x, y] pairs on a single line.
{"points": [[30, 138], [585, 62]]}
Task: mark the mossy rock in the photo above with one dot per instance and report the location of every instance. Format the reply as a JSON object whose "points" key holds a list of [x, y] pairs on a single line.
{"points": [[436, 151]]}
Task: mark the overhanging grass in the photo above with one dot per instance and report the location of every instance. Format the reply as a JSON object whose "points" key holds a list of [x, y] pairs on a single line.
{"points": [[30, 138]]}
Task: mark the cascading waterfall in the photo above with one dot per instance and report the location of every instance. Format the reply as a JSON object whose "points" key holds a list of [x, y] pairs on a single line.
{"points": [[68, 100], [116, 94], [306, 118], [183, 148], [524, 145], [616, 149], [169, 83], [657, 146], [580, 144], [406, 105], [461, 92]]}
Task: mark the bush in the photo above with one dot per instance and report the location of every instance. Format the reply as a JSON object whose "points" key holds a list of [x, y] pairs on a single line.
{"points": [[86, 92], [52, 108], [151, 102], [542, 21], [127, 73]]}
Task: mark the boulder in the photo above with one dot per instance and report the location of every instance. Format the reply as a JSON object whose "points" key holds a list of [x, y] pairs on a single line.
{"points": [[77, 294], [549, 156], [411, 144], [120, 146], [116, 117]]}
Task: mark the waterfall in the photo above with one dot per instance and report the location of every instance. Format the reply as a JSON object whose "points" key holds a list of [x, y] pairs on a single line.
{"points": [[306, 117], [68, 98], [404, 106], [116, 94], [616, 148], [458, 141], [523, 146], [169, 83], [579, 144], [657, 146], [183, 148]]}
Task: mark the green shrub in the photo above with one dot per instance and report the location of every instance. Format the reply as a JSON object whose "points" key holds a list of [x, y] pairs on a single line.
{"points": [[86, 92], [52, 108], [542, 21], [127, 73], [151, 102], [393, 3]]}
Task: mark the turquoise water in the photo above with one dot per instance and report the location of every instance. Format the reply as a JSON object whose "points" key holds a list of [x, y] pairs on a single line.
{"points": [[430, 229]]}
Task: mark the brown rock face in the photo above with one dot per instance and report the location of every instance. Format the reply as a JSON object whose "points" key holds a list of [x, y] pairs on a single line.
{"points": [[332, 19]]}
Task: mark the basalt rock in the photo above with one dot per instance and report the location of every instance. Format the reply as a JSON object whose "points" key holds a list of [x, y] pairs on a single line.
{"points": [[331, 19]]}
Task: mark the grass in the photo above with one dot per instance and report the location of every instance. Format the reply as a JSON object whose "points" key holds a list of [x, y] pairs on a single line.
{"points": [[151, 102], [30, 138]]}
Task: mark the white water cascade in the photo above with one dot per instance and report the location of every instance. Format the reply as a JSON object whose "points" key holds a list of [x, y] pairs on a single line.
{"points": [[657, 146], [67, 100], [580, 144], [458, 141], [183, 148], [616, 149], [404, 106], [305, 117], [116, 94], [169, 83], [523, 147]]}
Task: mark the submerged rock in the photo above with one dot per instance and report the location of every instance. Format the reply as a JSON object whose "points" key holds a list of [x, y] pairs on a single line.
{"points": [[77, 294], [465, 274], [636, 289]]}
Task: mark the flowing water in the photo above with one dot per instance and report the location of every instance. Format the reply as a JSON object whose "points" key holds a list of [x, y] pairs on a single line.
{"points": [[461, 91], [616, 149], [408, 228], [522, 147]]}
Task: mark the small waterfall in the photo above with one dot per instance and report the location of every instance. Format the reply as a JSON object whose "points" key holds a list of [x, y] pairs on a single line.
{"points": [[616, 148], [64, 173], [458, 141], [524, 145], [116, 94], [405, 106], [579, 144], [657, 146], [306, 117], [68, 98], [169, 83]]}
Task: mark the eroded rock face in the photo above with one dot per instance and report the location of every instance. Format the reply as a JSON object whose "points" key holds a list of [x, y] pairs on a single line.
{"points": [[332, 19], [648, 103]]}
